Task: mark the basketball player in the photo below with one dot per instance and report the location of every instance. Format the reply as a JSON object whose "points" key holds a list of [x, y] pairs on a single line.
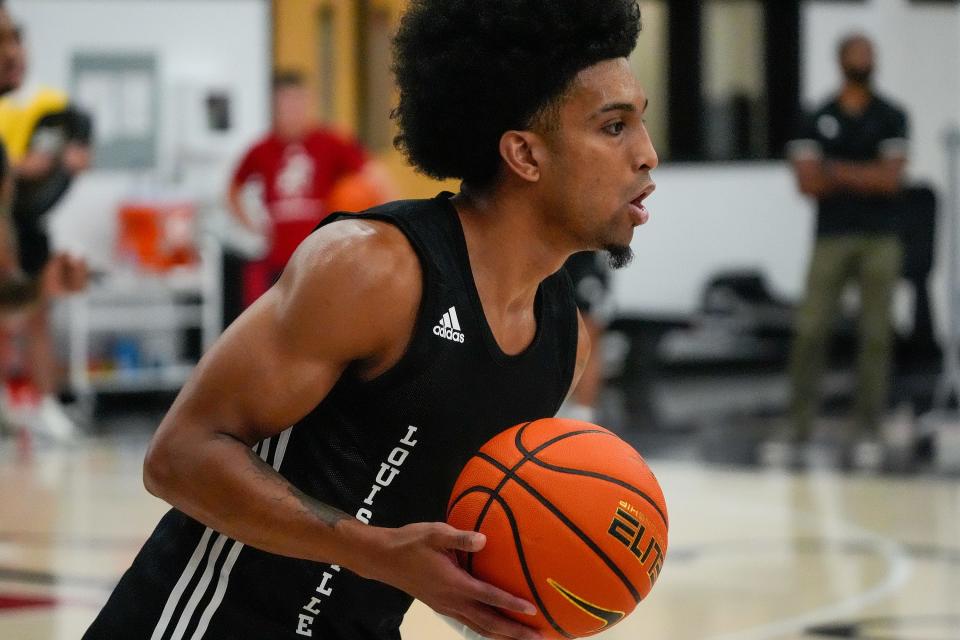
{"points": [[399, 341]]}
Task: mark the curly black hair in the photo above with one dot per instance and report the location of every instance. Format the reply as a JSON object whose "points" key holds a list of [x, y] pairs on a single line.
{"points": [[470, 70]]}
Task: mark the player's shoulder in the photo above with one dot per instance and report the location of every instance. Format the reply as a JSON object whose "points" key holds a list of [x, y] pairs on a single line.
{"points": [[361, 258]]}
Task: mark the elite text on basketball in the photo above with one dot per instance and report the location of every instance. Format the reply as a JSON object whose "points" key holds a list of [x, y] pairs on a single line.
{"points": [[628, 530]]}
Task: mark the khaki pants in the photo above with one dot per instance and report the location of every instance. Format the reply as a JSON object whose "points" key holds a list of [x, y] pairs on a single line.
{"points": [[873, 262]]}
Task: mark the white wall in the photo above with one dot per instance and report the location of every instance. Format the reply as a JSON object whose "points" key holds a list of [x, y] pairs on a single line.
{"points": [[218, 43], [705, 218]]}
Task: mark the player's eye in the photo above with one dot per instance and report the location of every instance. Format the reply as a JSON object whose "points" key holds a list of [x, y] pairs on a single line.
{"points": [[615, 128]]}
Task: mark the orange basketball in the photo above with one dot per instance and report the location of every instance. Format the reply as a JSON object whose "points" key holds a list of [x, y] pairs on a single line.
{"points": [[575, 522], [354, 193]]}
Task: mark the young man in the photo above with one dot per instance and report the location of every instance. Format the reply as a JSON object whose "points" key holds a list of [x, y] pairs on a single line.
{"points": [[399, 341]]}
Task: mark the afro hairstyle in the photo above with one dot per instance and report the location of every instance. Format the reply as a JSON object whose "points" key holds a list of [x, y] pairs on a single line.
{"points": [[470, 70]]}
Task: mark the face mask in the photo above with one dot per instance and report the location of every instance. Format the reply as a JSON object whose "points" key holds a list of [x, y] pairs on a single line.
{"points": [[860, 76]]}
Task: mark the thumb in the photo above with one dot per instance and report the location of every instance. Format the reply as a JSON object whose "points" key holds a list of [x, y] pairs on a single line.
{"points": [[469, 541]]}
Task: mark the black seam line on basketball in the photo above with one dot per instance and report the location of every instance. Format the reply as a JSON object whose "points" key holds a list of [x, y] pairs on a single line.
{"points": [[588, 474], [518, 544], [528, 455], [600, 476], [486, 507], [483, 510], [519, 464], [506, 477], [573, 527], [524, 426]]}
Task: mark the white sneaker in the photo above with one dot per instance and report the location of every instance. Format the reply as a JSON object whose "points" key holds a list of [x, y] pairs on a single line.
{"points": [[52, 423], [867, 454]]}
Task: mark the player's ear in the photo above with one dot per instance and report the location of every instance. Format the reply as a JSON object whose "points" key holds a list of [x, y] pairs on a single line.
{"points": [[519, 150]]}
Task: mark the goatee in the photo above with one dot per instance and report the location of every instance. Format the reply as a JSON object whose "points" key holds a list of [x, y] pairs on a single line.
{"points": [[618, 256]]}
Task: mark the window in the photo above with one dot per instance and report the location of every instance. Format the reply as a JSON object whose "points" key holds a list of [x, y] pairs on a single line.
{"points": [[722, 76]]}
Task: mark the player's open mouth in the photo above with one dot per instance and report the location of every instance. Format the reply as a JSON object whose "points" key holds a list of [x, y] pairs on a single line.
{"points": [[638, 212]]}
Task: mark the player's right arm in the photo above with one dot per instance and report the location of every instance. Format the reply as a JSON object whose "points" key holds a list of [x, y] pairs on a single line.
{"points": [[348, 298]]}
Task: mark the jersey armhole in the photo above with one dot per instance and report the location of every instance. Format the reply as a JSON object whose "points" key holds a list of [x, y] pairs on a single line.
{"points": [[414, 354]]}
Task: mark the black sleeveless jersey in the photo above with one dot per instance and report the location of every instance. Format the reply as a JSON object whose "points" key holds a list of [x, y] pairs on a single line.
{"points": [[387, 451]]}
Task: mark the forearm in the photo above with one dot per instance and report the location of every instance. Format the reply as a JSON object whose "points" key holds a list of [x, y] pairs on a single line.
{"points": [[235, 204], [227, 486], [873, 178]]}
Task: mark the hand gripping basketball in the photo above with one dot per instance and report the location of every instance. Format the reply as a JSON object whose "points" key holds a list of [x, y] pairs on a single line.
{"points": [[420, 559]]}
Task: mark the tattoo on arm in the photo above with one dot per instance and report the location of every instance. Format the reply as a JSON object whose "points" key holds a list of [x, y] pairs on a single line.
{"points": [[326, 514]]}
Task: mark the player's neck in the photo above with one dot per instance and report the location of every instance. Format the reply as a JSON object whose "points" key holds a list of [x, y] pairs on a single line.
{"points": [[509, 254]]}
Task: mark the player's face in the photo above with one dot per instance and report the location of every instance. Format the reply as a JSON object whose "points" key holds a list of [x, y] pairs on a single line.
{"points": [[597, 172]]}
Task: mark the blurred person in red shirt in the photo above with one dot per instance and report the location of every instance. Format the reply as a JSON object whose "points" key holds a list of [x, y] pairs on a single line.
{"points": [[298, 165]]}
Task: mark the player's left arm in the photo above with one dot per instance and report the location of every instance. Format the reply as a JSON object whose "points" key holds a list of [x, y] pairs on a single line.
{"points": [[583, 352]]}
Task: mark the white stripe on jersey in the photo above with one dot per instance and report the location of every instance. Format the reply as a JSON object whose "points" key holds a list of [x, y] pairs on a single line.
{"points": [[263, 450], [205, 578], [181, 585], [218, 594]]}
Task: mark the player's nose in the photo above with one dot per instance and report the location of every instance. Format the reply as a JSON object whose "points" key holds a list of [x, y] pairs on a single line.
{"points": [[644, 155]]}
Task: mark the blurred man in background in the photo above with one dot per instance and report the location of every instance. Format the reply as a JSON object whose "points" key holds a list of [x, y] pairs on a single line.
{"points": [[48, 143], [851, 158], [297, 165]]}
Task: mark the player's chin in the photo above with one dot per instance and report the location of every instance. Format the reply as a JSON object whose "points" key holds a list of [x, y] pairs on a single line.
{"points": [[618, 255], [622, 234]]}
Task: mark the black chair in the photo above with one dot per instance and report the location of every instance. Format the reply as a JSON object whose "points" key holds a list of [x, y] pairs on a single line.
{"points": [[917, 225]]}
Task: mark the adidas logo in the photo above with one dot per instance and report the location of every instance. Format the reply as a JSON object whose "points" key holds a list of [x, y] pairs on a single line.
{"points": [[449, 326]]}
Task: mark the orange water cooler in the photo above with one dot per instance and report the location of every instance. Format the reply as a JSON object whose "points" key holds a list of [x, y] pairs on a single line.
{"points": [[156, 235]]}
